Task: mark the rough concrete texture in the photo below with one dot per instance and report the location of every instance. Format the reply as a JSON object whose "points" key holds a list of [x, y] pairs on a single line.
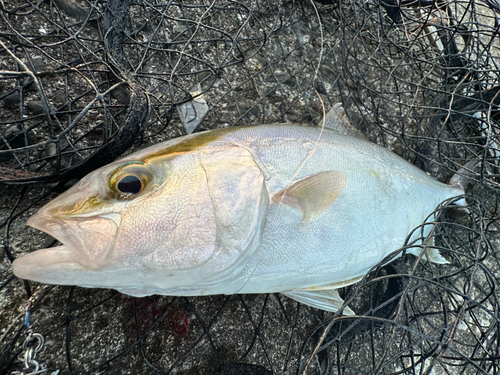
{"points": [[255, 62]]}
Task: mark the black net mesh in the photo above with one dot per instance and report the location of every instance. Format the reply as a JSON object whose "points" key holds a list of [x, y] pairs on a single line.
{"points": [[84, 82]]}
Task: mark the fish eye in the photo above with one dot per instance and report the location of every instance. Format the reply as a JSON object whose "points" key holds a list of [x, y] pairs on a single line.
{"points": [[129, 184], [129, 180]]}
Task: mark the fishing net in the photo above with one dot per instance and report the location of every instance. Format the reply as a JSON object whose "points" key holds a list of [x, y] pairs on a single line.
{"points": [[83, 82]]}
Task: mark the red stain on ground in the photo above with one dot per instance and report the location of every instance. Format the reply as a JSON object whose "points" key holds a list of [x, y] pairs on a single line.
{"points": [[180, 323], [152, 311]]}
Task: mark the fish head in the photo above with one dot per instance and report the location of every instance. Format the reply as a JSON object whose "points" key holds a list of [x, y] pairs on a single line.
{"points": [[156, 224]]}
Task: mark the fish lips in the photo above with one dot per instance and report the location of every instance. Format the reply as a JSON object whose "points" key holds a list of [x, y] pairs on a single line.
{"points": [[87, 244]]}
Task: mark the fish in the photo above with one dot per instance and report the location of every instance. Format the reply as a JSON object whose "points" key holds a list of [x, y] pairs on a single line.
{"points": [[277, 208]]}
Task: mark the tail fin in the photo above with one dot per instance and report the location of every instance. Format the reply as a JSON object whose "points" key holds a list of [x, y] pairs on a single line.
{"points": [[464, 175]]}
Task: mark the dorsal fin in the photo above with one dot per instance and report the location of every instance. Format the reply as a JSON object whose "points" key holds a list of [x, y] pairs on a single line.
{"points": [[336, 120], [314, 194]]}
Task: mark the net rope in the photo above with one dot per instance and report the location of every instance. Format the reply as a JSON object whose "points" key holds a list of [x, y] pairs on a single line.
{"points": [[84, 82]]}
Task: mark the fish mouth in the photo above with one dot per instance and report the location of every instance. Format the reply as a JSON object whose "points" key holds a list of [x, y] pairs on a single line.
{"points": [[86, 245], [87, 241]]}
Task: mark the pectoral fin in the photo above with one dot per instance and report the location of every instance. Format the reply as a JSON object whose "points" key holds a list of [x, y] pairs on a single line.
{"points": [[328, 300], [313, 195]]}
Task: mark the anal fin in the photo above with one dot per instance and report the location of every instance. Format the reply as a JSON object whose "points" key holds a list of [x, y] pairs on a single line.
{"points": [[432, 254], [328, 300], [436, 257], [337, 285]]}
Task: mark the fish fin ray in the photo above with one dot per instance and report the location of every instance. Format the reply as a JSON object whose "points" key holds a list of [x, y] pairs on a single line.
{"points": [[465, 175], [337, 285], [336, 120], [313, 195], [328, 300], [436, 257], [432, 254]]}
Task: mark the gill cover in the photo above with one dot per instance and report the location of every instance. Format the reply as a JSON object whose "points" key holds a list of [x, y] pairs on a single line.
{"points": [[240, 201]]}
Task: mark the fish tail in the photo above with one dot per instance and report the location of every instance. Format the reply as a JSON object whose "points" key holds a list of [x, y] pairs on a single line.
{"points": [[465, 175]]}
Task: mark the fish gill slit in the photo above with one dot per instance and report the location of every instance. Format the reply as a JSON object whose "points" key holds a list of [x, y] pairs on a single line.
{"points": [[205, 175]]}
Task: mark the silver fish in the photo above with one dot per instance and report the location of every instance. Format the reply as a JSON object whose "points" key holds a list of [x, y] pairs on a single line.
{"points": [[263, 209]]}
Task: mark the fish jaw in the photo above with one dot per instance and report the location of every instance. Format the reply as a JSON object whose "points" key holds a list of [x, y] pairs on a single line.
{"points": [[81, 260], [87, 241], [57, 265], [51, 266]]}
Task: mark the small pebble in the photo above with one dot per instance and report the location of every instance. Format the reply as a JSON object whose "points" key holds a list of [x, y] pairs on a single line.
{"points": [[320, 87], [193, 113], [12, 131], [121, 94], [11, 101], [59, 98], [14, 139], [71, 8], [38, 64], [327, 73], [260, 62], [202, 76], [35, 107]]}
